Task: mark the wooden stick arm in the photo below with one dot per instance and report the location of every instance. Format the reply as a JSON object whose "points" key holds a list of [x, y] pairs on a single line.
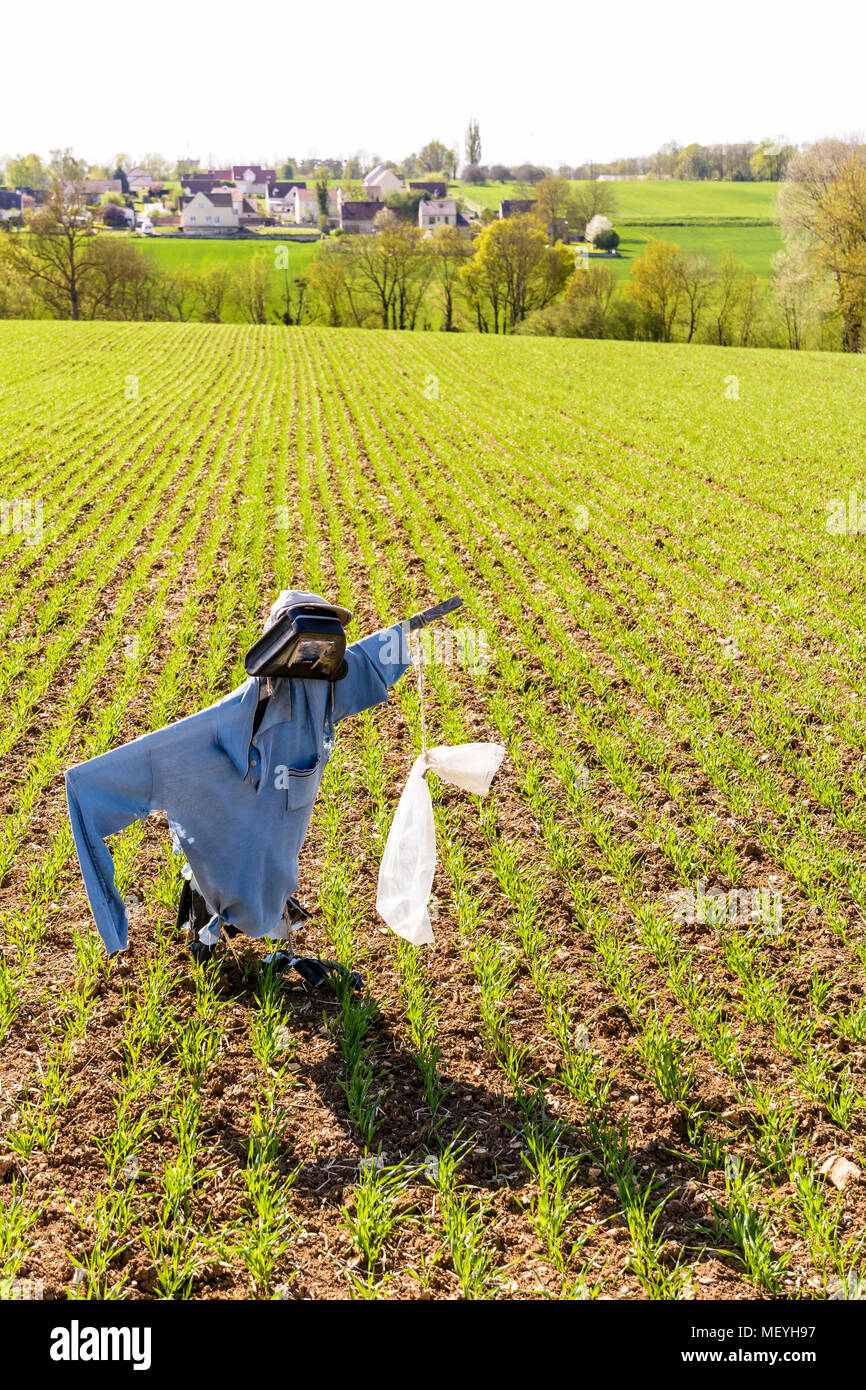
{"points": [[429, 615]]}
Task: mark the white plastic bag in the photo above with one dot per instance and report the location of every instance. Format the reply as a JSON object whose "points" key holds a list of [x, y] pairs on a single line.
{"points": [[409, 861]]}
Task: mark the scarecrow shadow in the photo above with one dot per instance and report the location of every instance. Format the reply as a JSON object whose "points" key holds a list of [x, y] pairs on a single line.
{"points": [[484, 1119], [488, 1121]]}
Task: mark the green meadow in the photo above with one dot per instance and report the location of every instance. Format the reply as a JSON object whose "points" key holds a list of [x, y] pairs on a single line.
{"points": [[699, 217], [197, 255], [644, 200], [753, 247]]}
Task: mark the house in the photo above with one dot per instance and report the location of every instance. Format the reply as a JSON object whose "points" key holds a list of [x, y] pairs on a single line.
{"points": [[198, 185], [209, 212], [305, 205], [438, 212], [358, 217], [246, 208], [279, 200], [381, 181], [516, 207], [468, 226], [137, 179], [251, 178], [10, 200], [94, 188], [433, 188]]}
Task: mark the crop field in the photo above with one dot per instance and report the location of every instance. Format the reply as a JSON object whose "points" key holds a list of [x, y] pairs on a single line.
{"points": [[632, 1066]]}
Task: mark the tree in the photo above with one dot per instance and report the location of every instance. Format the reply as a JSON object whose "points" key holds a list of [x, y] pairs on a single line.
{"points": [[770, 160], [606, 240], [326, 277], [474, 173], [405, 204], [655, 284], [56, 256], [803, 300], [513, 272], [529, 174], [121, 282], [473, 143], [322, 196], [249, 289], [437, 158], [552, 197], [585, 311], [449, 251], [175, 295], [823, 206], [697, 279], [211, 289], [294, 294], [17, 300], [26, 171], [113, 216], [157, 166], [589, 200], [64, 167], [596, 225], [412, 264], [733, 302]]}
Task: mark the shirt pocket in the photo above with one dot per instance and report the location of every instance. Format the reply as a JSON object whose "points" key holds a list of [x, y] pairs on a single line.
{"points": [[302, 783]]}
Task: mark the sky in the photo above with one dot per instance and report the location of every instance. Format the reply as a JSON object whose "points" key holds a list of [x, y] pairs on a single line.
{"points": [[557, 84]]}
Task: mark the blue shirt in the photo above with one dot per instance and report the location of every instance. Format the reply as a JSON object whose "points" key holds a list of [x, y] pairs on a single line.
{"points": [[238, 803]]}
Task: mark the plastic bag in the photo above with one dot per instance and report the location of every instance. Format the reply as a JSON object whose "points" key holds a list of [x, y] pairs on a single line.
{"points": [[409, 861]]}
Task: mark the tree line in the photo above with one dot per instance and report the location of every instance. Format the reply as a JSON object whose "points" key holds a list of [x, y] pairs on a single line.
{"points": [[516, 275]]}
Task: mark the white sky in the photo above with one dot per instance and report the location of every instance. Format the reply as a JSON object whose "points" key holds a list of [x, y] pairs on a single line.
{"points": [[555, 83]]}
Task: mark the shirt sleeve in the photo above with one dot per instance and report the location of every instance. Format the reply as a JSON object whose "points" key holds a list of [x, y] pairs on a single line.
{"points": [[375, 663], [104, 795]]}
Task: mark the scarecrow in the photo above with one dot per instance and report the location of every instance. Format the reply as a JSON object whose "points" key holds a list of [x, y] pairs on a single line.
{"points": [[238, 781]]}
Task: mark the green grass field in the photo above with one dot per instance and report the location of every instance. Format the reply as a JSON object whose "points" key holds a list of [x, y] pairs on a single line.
{"points": [[634, 1064], [642, 200], [754, 247], [713, 217], [195, 255]]}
